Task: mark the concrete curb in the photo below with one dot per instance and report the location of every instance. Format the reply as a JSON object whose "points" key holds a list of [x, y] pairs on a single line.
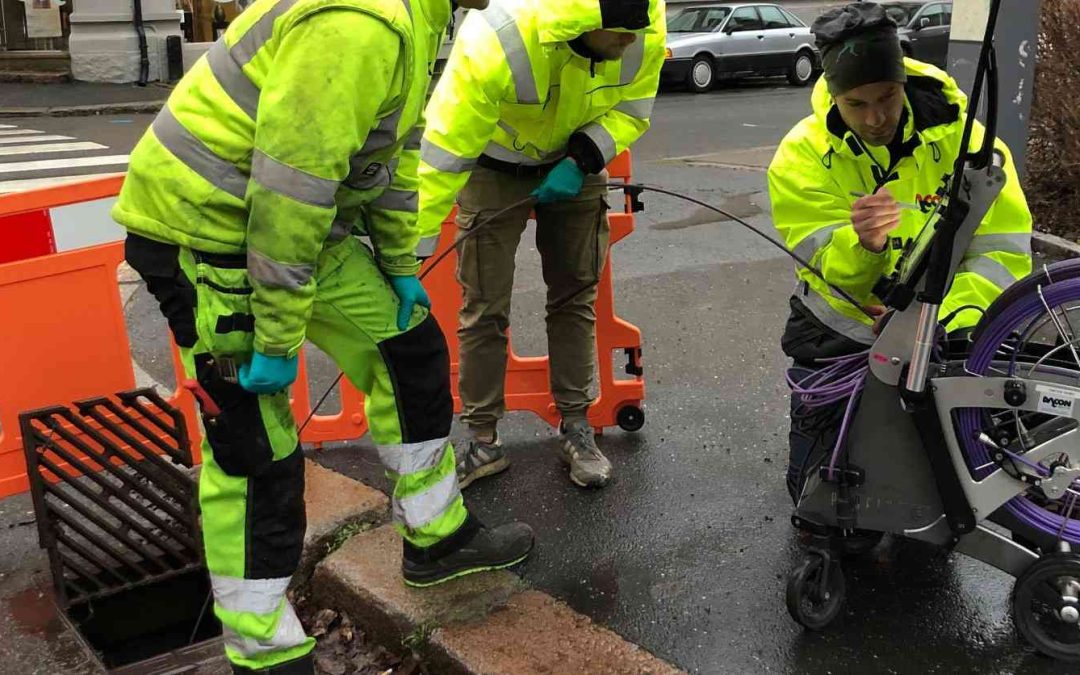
{"points": [[535, 633], [84, 110], [1054, 246], [34, 77], [483, 623], [337, 508]]}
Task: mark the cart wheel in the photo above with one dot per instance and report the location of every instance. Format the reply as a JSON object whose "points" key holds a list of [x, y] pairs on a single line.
{"points": [[630, 418], [1046, 606], [813, 599]]}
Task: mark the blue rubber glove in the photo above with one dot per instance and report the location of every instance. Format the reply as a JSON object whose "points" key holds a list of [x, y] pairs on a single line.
{"points": [[563, 182], [410, 292], [268, 374]]}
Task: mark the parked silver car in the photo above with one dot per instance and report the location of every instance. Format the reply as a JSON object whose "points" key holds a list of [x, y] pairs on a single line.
{"points": [[710, 42], [924, 29]]}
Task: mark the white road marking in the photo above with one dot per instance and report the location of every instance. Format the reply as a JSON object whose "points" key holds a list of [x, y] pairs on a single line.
{"points": [[51, 147], [72, 162], [7, 140]]}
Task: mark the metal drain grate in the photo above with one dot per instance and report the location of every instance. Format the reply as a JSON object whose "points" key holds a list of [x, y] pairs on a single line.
{"points": [[116, 509]]}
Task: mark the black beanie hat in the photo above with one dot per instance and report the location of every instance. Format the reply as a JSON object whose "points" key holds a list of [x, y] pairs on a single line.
{"points": [[859, 46], [625, 14]]}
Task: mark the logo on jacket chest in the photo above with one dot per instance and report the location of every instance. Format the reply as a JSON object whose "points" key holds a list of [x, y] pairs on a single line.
{"points": [[929, 202]]}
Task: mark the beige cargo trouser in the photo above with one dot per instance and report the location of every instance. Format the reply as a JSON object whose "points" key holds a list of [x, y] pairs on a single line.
{"points": [[572, 237]]}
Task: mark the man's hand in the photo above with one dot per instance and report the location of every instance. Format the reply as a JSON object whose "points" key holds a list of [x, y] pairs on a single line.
{"points": [[563, 182], [881, 314], [874, 217], [411, 293], [268, 374]]}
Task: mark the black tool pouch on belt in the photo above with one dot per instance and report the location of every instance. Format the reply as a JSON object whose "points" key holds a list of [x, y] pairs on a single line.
{"points": [[237, 435]]}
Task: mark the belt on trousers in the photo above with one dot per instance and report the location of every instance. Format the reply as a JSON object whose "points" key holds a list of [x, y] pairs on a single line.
{"points": [[515, 170]]}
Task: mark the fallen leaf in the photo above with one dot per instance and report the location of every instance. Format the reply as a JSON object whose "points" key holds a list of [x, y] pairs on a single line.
{"points": [[322, 621]]}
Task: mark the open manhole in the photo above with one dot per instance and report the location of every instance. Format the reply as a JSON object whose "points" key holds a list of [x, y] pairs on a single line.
{"points": [[117, 513]]}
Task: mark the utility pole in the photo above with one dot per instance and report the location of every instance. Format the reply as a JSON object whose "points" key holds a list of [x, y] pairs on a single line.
{"points": [[1016, 41]]}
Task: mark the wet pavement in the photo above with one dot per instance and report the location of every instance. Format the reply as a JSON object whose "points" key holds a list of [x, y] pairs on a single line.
{"points": [[687, 551], [36, 638]]}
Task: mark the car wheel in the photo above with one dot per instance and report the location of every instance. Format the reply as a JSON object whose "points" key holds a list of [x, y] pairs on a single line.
{"points": [[802, 69], [702, 74]]}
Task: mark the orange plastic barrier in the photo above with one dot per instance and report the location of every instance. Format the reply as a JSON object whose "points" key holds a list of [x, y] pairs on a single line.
{"points": [[26, 235], [64, 337], [527, 384]]}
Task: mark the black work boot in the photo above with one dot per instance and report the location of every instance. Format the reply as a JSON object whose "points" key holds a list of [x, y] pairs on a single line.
{"points": [[473, 548]]}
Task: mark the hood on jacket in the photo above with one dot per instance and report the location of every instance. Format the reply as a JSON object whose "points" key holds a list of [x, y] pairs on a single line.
{"points": [[564, 20], [437, 13]]}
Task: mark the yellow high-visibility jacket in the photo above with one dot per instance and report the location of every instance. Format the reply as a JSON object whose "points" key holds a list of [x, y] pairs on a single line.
{"points": [[515, 90], [301, 125], [819, 164]]}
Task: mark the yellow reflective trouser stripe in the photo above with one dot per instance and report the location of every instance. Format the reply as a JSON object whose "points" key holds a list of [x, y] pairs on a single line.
{"points": [[406, 458]]}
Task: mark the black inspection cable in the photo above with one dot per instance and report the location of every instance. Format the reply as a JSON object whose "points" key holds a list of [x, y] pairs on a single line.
{"points": [[794, 256], [632, 188], [434, 263]]}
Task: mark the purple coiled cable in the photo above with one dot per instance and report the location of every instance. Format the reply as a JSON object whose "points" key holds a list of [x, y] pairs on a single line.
{"points": [[842, 379], [969, 420]]}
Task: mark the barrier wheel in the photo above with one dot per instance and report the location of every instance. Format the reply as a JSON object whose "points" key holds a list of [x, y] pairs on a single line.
{"points": [[630, 418], [1046, 606], [815, 592]]}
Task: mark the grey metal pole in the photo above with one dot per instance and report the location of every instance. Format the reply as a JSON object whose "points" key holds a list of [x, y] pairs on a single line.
{"points": [[1016, 40]]}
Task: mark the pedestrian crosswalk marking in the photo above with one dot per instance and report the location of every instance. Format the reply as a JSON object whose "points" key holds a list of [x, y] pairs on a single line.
{"points": [[72, 162], [32, 159], [7, 140], [49, 148]]}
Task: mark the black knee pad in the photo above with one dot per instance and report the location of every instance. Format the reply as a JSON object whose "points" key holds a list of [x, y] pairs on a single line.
{"points": [[159, 266], [419, 365], [276, 518]]}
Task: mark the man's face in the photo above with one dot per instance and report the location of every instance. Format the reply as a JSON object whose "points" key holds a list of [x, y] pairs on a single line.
{"points": [[609, 45], [873, 110], [473, 4]]}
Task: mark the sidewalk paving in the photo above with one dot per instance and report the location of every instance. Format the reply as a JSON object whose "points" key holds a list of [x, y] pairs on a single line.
{"points": [[483, 623], [80, 98]]}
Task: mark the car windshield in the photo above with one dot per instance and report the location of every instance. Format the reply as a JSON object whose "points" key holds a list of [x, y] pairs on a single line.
{"points": [[698, 20], [901, 12]]}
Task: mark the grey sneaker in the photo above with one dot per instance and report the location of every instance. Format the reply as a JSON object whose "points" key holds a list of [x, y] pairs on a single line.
{"points": [[479, 460], [577, 446]]}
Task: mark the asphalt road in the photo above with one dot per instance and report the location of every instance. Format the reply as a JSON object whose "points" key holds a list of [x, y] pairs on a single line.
{"points": [[685, 553]]}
